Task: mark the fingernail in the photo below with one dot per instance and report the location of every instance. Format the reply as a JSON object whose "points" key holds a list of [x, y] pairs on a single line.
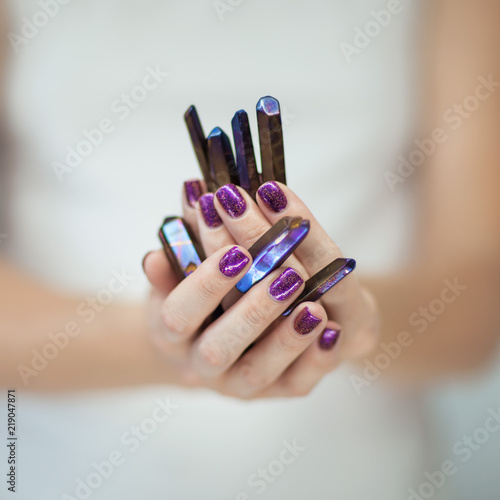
{"points": [[231, 200], [233, 262], [273, 196], [328, 339], [144, 260], [285, 285], [305, 322], [193, 191], [210, 215]]}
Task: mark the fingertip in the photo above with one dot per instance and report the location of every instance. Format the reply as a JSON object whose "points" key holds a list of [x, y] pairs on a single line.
{"points": [[309, 317], [271, 196], [234, 260], [287, 283], [159, 271], [330, 336], [193, 189], [145, 259]]}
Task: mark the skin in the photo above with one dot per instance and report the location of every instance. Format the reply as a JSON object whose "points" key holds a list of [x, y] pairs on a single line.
{"points": [[458, 236], [282, 363]]}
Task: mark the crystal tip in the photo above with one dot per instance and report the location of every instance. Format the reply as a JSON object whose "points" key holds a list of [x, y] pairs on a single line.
{"points": [[268, 105]]}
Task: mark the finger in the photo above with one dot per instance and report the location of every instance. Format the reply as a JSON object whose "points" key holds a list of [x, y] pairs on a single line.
{"points": [[321, 357], [273, 354], [192, 190], [277, 200], [198, 295], [157, 327], [159, 271], [317, 250], [245, 221], [223, 342], [213, 234]]}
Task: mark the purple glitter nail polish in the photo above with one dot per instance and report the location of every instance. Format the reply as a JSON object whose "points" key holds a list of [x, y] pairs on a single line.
{"points": [[305, 322], [208, 211], [285, 285], [273, 197], [233, 262], [231, 200], [328, 339], [193, 191]]}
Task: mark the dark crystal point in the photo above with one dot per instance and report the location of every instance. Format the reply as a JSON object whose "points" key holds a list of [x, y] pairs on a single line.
{"points": [[322, 281], [273, 248], [199, 145], [272, 152], [245, 157], [221, 158], [180, 246]]}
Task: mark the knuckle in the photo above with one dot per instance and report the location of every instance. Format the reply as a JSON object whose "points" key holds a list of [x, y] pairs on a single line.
{"points": [[255, 314], [287, 344], [253, 378], [253, 233], [207, 289], [211, 356], [175, 322]]}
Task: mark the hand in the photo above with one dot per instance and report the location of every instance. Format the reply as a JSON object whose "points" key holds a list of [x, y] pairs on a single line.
{"points": [[287, 356], [352, 306]]}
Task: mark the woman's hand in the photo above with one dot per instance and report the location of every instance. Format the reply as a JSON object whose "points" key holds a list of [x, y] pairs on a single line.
{"points": [[251, 350]]}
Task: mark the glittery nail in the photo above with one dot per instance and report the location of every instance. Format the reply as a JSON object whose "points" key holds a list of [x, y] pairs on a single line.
{"points": [[233, 262], [231, 200], [193, 191], [305, 322], [328, 339], [273, 197], [208, 210], [285, 285]]}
